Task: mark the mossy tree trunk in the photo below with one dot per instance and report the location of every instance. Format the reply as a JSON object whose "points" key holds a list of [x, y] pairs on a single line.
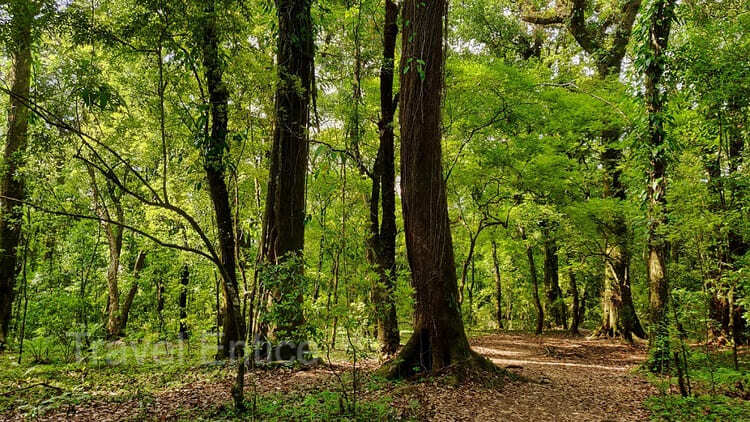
{"points": [[11, 185], [214, 151], [660, 14]]}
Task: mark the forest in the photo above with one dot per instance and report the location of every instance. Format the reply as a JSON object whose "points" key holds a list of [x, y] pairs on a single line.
{"points": [[375, 210]]}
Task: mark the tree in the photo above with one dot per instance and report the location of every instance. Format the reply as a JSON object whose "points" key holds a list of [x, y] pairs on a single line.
{"points": [[284, 219], [606, 40], [11, 183], [534, 282], [499, 316], [654, 34], [555, 305], [382, 242], [214, 165], [184, 333], [117, 313], [439, 340]]}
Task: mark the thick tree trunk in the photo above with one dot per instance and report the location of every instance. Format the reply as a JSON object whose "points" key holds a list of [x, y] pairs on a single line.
{"points": [[660, 19], [618, 312], [499, 317], [554, 303], [182, 302], [382, 243], [439, 341], [284, 220], [608, 48], [12, 186], [214, 152]]}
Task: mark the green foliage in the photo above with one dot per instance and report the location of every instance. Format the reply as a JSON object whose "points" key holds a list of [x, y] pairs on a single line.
{"points": [[701, 408], [523, 120]]}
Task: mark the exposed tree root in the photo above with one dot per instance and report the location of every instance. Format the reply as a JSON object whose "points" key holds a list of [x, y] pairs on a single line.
{"points": [[456, 360]]}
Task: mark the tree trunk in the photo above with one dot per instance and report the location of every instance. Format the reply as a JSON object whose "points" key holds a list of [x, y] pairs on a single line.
{"points": [[284, 220], [618, 312], [214, 165], [608, 52], [439, 340], [498, 287], [465, 267], [731, 245], [126, 305], [660, 20], [12, 186], [576, 308], [114, 242], [534, 286], [182, 302], [382, 243], [607, 49], [554, 303]]}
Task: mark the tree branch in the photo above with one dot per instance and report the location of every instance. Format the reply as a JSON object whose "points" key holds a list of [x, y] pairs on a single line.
{"points": [[78, 216]]}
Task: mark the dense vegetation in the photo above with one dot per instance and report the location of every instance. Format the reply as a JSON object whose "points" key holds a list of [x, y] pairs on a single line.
{"points": [[291, 180]]}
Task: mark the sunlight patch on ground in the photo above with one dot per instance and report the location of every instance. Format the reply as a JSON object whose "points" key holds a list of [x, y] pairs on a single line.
{"points": [[536, 362], [491, 351]]}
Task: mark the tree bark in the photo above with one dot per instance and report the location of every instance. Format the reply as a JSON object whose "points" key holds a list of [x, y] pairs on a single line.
{"points": [[730, 246], [12, 186], [607, 43], [140, 260], [576, 307], [555, 305], [439, 341], [534, 285], [660, 18], [214, 153], [618, 312], [182, 302], [382, 243], [284, 221], [499, 317], [114, 234]]}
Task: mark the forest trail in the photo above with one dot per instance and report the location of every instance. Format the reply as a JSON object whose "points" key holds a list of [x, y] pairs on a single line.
{"points": [[563, 379], [569, 379]]}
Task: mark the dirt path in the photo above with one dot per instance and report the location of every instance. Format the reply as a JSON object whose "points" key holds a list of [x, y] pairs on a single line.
{"points": [[565, 379], [570, 379]]}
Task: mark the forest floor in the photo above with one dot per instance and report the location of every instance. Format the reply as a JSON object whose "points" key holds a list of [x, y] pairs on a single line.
{"points": [[557, 377]]}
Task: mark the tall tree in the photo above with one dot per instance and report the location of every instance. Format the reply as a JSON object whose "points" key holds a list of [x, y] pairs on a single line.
{"points": [[554, 303], [606, 41], [11, 184], [382, 242], [658, 17], [113, 219], [182, 302], [499, 316], [439, 340], [284, 219], [215, 166], [534, 283]]}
